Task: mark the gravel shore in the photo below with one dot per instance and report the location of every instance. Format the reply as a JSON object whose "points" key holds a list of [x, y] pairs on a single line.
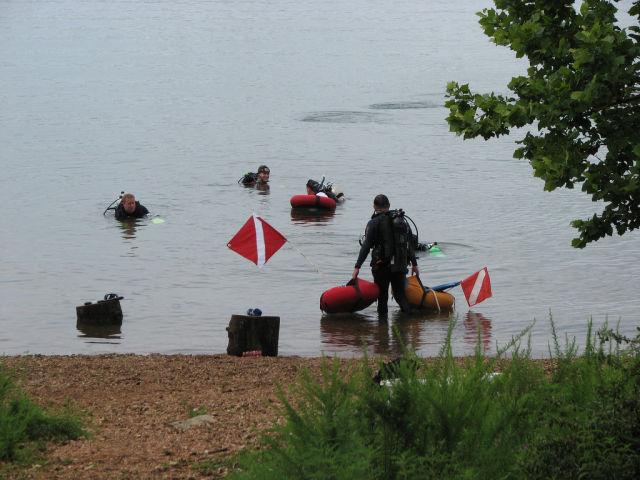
{"points": [[129, 403]]}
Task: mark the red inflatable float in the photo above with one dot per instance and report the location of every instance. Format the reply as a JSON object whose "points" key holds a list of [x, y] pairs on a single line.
{"points": [[355, 295], [313, 201]]}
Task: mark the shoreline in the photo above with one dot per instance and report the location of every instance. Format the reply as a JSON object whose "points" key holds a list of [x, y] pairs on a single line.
{"points": [[128, 403]]}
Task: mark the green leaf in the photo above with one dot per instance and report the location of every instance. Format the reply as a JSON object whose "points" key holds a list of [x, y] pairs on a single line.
{"points": [[582, 72]]}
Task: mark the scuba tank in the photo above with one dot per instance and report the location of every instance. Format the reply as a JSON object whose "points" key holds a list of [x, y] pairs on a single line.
{"points": [[396, 242], [326, 188], [403, 243], [248, 178]]}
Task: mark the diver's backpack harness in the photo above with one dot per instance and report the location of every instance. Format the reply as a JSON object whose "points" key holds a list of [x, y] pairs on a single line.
{"points": [[326, 188], [396, 240], [248, 178]]}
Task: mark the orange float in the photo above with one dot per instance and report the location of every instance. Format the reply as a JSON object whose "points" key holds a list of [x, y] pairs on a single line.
{"points": [[424, 297]]}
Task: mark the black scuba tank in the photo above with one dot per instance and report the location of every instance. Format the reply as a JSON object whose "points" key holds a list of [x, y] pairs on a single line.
{"points": [[384, 248], [402, 241], [248, 178], [396, 242]]}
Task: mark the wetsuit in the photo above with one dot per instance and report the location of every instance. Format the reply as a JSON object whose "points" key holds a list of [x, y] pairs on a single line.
{"points": [[139, 212], [383, 274]]}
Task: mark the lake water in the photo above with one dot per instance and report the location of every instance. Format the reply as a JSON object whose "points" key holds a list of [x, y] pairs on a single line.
{"points": [[174, 101]]}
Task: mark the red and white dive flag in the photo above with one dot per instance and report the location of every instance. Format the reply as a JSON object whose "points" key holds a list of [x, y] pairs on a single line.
{"points": [[257, 241], [477, 287]]}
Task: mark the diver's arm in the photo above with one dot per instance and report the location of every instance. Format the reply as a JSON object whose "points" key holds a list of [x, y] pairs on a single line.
{"points": [[367, 244], [414, 266]]}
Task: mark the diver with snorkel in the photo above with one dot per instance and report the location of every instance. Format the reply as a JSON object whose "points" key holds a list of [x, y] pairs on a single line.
{"points": [[127, 208]]}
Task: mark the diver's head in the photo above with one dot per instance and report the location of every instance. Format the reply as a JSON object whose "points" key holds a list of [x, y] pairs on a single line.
{"points": [[128, 202], [263, 173], [381, 203]]}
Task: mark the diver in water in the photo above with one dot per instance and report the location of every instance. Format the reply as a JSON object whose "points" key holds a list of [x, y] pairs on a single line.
{"points": [[253, 179], [389, 236], [313, 188], [322, 189], [129, 208]]}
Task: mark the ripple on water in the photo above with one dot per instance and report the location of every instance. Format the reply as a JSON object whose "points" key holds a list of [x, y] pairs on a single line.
{"points": [[343, 117], [405, 105]]}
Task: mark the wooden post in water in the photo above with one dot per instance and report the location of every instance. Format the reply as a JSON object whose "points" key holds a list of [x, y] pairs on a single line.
{"points": [[102, 313], [250, 334]]}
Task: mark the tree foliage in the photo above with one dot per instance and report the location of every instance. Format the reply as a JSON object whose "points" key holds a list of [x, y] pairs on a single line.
{"points": [[580, 102]]}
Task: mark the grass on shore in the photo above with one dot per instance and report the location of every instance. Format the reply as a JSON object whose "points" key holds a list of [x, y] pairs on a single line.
{"points": [[447, 420], [25, 427]]}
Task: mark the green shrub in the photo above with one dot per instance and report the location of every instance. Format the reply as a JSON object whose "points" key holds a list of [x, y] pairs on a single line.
{"points": [[23, 423], [592, 426], [322, 437], [458, 420]]}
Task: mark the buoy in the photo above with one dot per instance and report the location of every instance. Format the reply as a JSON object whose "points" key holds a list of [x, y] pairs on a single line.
{"points": [[313, 201], [356, 295]]}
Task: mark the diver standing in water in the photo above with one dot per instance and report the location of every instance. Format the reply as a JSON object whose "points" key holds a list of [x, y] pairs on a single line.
{"points": [[389, 237], [129, 208]]}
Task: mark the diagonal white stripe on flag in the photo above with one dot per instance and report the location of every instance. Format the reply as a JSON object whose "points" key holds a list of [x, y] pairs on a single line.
{"points": [[259, 240], [475, 291]]}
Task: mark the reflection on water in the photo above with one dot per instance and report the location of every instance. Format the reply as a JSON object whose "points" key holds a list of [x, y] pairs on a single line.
{"points": [[355, 330], [311, 215], [128, 228], [381, 337], [262, 188], [111, 332], [477, 328], [411, 327]]}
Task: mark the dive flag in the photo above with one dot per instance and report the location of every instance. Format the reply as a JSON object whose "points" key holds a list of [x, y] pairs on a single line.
{"points": [[257, 241], [477, 287]]}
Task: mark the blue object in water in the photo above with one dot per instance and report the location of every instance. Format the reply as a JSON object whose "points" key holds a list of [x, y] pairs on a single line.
{"points": [[254, 312], [445, 286]]}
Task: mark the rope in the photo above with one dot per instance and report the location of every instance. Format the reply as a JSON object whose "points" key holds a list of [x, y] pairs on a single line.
{"points": [[315, 267], [435, 295], [425, 292]]}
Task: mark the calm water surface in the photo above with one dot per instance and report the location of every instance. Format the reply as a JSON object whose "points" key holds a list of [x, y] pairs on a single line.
{"points": [[176, 100]]}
